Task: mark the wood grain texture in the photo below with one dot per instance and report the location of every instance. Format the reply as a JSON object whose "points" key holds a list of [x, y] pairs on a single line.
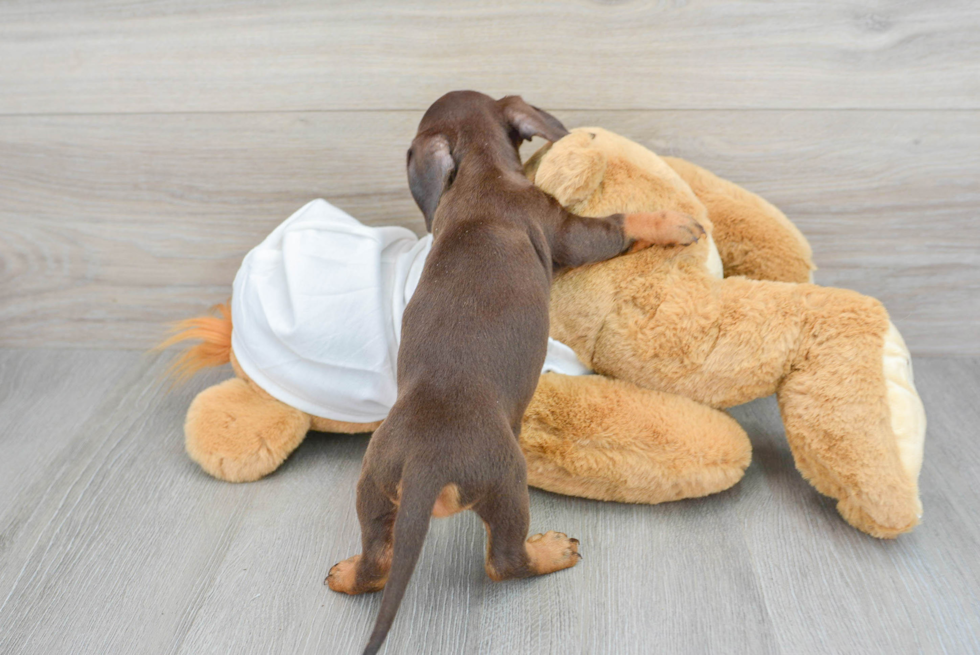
{"points": [[832, 589], [111, 226], [46, 396], [124, 56], [115, 544], [113, 541]]}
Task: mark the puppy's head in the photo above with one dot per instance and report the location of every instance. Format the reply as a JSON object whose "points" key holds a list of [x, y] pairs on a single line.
{"points": [[465, 120]]}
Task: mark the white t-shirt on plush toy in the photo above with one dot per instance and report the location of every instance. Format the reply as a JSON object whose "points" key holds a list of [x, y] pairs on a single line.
{"points": [[317, 310]]}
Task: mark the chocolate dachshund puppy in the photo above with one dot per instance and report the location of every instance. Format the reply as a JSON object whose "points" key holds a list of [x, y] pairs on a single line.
{"points": [[474, 337]]}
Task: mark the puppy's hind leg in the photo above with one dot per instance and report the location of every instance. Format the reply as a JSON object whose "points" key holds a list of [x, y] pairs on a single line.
{"points": [[368, 571], [510, 554]]}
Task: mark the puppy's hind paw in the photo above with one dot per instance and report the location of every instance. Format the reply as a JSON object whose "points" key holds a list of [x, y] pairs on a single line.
{"points": [[343, 578], [343, 575], [552, 551]]}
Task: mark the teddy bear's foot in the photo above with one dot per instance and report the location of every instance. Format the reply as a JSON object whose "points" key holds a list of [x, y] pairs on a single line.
{"points": [[876, 497], [595, 437], [898, 509], [888, 520], [237, 434], [866, 453]]}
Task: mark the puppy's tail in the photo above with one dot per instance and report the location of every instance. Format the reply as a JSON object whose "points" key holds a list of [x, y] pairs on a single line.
{"points": [[214, 349], [419, 492]]}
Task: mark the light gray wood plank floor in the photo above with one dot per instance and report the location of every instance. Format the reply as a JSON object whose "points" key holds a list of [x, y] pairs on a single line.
{"points": [[112, 541]]}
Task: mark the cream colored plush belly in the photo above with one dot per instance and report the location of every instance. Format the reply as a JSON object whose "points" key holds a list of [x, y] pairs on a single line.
{"points": [[713, 262], [908, 416]]}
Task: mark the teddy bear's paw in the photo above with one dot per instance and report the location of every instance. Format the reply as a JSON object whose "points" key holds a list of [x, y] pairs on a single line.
{"points": [[342, 578], [552, 551], [882, 520], [239, 435], [662, 228]]}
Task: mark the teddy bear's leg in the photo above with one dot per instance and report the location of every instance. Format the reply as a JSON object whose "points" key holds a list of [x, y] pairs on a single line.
{"points": [[238, 433], [341, 427], [852, 418], [595, 437], [854, 421], [753, 237]]}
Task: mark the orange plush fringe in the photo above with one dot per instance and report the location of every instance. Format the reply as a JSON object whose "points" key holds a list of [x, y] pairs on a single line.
{"points": [[214, 333]]}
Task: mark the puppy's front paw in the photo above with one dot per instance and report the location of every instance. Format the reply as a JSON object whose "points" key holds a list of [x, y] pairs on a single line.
{"points": [[661, 228], [552, 551]]}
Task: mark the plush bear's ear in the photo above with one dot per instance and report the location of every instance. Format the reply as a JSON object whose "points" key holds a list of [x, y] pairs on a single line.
{"points": [[430, 172], [571, 169]]}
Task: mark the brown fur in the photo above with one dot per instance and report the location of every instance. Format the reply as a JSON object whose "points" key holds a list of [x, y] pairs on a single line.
{"points": [[473, 342]]}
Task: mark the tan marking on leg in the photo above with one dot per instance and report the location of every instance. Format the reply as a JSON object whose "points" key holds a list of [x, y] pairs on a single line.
{"points": [[491, 572], [448, 503], [397, 498], [342, 577], [552, 551]]}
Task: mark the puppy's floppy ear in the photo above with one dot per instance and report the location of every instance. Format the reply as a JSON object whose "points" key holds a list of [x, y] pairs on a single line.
{"points": [[534, 161], [430, 170], [529, 121]]}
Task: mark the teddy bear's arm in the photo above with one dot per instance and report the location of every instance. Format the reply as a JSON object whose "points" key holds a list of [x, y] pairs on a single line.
{"points": [[838, 367], [754, 238]]}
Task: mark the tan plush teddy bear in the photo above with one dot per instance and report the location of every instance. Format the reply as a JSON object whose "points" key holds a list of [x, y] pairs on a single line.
{"points": [[671, 343], [660, 319]]}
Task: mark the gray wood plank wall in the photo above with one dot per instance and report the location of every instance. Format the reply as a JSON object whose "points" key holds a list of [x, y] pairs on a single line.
{"points": [[145, 147]]}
